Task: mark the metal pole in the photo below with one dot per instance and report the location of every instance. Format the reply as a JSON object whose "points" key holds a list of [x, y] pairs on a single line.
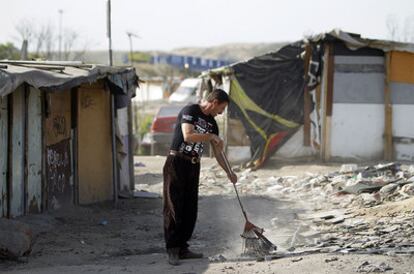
{"points": [[60, 34], [131, 50], [130, 47], [113, 109], [108, 33]]}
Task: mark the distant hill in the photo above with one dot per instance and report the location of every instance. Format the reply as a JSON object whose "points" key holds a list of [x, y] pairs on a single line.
{"points": [[234, 51], [101, 57]]}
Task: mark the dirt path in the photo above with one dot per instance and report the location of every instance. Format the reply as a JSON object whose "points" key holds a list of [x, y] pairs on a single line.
{"points": [[129, 238]]}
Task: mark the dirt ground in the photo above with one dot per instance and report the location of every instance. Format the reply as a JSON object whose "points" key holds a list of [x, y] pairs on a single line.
{"points": [[128, 237]]}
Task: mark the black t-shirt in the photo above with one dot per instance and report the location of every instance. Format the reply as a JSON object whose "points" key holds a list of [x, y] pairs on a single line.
{"points": [[202, 123]]}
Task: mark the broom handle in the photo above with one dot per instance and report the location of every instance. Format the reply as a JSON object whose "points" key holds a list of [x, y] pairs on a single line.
{"points": [[241, 206], [228, 169]]}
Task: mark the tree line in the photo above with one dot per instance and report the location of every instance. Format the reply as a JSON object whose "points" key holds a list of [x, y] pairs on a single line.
{"points": [[43, 42]]}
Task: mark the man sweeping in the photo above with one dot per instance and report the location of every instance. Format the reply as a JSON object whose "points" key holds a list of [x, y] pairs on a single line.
{"points": [[195, 127]]}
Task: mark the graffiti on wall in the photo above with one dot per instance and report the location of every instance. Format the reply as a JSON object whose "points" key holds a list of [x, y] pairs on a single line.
{"points": [[59, 125], [87, 101], [58, 174]]}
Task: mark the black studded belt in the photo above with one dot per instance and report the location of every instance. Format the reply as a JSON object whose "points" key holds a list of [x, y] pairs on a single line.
{"points": [[193, 160]]}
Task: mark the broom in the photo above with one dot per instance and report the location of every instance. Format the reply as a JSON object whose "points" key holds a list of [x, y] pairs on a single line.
{"points": [[254, 242]]}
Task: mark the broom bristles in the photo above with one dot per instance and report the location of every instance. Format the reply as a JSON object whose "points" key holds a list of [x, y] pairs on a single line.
{"points": [[254, 243]]}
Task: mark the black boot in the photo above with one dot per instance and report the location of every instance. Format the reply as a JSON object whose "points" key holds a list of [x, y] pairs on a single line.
{"points": [[173, 255], [185, 253]]}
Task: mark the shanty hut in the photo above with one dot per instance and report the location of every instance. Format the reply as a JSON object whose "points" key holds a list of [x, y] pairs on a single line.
{"points": [[334, 95], [65, 134]]}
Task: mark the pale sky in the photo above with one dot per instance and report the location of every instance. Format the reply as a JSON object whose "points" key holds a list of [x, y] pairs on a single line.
{"points": [[168, 24]]}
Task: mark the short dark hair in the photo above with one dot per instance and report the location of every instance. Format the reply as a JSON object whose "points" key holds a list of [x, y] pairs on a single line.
{"points": [[218, 94]]}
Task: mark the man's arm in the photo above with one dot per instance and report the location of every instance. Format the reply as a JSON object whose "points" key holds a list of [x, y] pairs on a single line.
{"points": [[219, 157], [190, 135]]}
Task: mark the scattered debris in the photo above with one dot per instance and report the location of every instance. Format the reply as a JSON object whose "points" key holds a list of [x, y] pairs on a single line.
{"points": [[369, 268], [217, 259], [332, 259], [350, 190], [139, 164], [103, 222], [295, 260]]}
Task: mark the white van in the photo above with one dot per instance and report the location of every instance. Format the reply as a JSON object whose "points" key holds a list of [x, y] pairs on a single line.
{"points": [[187, 92]]}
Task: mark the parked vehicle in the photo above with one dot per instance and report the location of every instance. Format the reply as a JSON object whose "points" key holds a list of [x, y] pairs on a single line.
{"points": [[158, 140], [187, 92]]}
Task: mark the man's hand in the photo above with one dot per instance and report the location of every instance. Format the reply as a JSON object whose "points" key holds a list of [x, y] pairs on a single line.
{"points": [[232, 177]]}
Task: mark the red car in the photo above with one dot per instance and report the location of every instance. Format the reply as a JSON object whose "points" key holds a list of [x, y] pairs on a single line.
{"points": [[165, 119], [160, 136]]}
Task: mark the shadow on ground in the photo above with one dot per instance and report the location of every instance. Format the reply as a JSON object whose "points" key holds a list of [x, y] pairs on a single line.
{"points": [[102, 234]]}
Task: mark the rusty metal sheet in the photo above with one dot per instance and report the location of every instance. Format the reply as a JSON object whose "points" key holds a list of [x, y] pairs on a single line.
{"points": [[18, 141], [3, 155], [58, 172], [34, 152]]}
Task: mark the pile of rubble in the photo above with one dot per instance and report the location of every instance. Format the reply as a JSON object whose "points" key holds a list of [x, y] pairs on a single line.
{"points": [[377, 230], [371, 185], [335, 220]]}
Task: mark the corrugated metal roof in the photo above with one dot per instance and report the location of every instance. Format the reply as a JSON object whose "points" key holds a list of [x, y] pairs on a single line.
{"points": [[62, 75], [355, 41]]}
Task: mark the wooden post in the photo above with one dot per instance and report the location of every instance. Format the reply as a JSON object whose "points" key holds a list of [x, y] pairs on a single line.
{"points": [[388, 146], [9, 153], [328, 102], [4, 140], [25, 149], [45, 113], [114, 151], [306, 98], [137, 148], [75, 154], [131, 141], [17, 182]]}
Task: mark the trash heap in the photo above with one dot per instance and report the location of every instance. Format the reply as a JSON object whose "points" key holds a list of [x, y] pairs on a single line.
{"points": [[367, 209], [375, 206], [369, 186]]}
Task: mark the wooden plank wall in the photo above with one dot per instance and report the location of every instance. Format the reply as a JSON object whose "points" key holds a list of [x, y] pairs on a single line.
{"points": [[94, 144], [57, 134], [17, 157], [400, 127], [402, 67], [34, 152], [123, 158], [388, 148], [327, 103], [306, 99], [3, 155]]}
